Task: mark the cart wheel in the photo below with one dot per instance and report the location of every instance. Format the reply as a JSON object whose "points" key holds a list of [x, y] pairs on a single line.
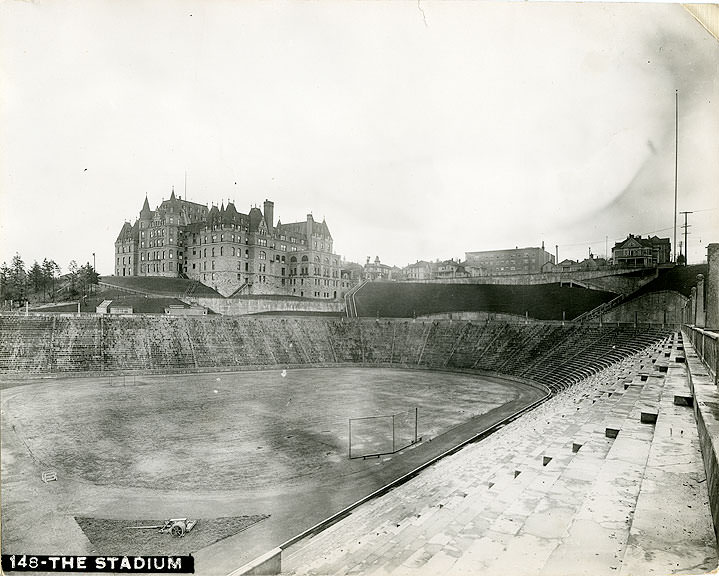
{"points": [[177, 530]]}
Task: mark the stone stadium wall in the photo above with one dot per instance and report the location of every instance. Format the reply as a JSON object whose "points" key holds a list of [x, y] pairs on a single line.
{"points": [[627, 280], [546, 353], [244, 306], [663, 307]]}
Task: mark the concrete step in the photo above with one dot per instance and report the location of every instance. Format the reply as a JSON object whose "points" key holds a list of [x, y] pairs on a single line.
{"points": [[669, 533]]}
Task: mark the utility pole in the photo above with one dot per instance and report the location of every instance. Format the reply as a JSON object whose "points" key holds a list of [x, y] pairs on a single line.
{"points": [[676, 161], [686, 246]]}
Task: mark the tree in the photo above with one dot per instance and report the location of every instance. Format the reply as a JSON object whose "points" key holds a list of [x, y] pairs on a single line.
{"points": [[88, 276], [4, 279], [16, 280], [50, 271], [35, 277], [72, 276]]}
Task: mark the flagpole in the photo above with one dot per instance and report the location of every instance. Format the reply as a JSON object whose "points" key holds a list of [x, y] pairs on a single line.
{"points": [[676, 161]]}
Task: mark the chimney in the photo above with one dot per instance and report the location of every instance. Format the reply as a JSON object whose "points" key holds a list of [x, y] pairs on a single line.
{"points": [[270, 214], [310, 222]]}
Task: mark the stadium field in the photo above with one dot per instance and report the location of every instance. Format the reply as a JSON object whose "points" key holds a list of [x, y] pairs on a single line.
{"points": [[264, 444]]}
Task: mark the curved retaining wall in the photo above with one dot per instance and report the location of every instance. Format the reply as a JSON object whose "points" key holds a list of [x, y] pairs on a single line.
{"points": [[547, 353]]}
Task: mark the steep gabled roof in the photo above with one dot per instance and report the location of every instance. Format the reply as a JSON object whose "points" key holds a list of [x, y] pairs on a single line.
{"points": [[255, 217], [126, 232], [324, 229]]}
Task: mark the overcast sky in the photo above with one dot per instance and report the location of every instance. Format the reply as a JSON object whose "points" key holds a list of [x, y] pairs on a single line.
{"points": [[419, 131]]}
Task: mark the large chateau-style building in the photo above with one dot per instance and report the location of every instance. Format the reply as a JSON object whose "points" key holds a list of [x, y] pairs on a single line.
{"points": [[231, 252]]}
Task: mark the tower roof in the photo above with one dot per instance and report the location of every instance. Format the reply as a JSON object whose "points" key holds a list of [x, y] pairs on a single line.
{"points": [[146, 212]]}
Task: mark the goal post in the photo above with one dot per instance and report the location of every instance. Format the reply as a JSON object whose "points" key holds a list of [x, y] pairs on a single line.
{"points": [[373, 436]]}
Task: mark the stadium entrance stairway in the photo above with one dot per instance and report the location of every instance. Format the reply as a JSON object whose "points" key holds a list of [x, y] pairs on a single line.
{"points": [[607, 477]]}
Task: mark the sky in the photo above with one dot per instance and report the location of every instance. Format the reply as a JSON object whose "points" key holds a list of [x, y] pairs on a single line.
{"points": [[418, 130]]}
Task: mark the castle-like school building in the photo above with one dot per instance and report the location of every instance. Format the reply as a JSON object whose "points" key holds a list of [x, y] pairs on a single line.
{"points": [[231, 252]]}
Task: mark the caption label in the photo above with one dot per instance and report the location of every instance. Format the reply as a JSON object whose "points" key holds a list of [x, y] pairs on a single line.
{"points": [[122, 564]]}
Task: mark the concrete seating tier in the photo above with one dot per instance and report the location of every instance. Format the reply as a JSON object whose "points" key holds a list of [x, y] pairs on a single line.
{"points": [[550, 493], [554, 355]]}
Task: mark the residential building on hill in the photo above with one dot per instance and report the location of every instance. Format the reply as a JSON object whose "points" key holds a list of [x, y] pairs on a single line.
{"points": [[450, 269], [231, 252], [638, 252], [378, 271], [420, 270]]}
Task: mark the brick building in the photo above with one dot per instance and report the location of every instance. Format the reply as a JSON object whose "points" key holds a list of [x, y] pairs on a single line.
{"points": [[510, 261], [232, 252]]}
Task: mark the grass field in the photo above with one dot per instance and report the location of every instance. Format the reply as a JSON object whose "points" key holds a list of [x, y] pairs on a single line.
{"points": [[252, 444], [226, 431]]}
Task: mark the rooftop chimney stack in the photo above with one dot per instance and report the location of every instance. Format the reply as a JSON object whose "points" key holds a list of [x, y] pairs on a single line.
{"points": [[270, 214]]}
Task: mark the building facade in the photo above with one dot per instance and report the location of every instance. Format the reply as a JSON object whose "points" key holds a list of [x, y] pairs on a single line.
{"points": [[420, 270], [231, 252], [508, 262], [638, 252]]}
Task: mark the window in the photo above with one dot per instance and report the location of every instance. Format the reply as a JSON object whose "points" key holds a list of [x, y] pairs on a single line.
{"points": [[263, 255]]}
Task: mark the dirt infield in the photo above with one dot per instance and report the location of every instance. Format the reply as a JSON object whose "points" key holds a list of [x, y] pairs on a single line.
{"points": [[216, 445]]}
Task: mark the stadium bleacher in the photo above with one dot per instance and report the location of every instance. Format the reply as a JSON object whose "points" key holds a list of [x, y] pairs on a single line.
{"points": [[552, 493], [549, 353]]}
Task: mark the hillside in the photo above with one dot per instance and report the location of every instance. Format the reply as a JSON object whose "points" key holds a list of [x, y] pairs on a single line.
{"points": [[543, 302]]}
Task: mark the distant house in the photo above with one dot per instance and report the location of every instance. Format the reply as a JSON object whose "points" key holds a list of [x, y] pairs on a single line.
{"points": [[378, 271], [120, 309], [449, 269], [567, 265], [638, 252], [592, 263], [104, 307], [420, 270]]}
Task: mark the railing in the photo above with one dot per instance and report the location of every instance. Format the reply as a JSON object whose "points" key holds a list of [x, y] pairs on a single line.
{"points": [[707, 346], [350, 303], [601, 309]]}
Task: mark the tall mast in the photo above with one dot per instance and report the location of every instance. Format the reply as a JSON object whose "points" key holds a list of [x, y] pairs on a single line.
{"points": [[676, 162]]}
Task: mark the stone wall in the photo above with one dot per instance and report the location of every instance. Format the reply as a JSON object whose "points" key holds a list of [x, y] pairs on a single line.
{"points": [[247, 305], [656, 308], [613, 280]]}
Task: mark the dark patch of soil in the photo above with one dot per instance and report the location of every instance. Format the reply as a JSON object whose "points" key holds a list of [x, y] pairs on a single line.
{"points": [[115, 536]]}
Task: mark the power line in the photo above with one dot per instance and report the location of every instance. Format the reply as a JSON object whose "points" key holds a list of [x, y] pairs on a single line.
{"points": [[686, 246]]}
